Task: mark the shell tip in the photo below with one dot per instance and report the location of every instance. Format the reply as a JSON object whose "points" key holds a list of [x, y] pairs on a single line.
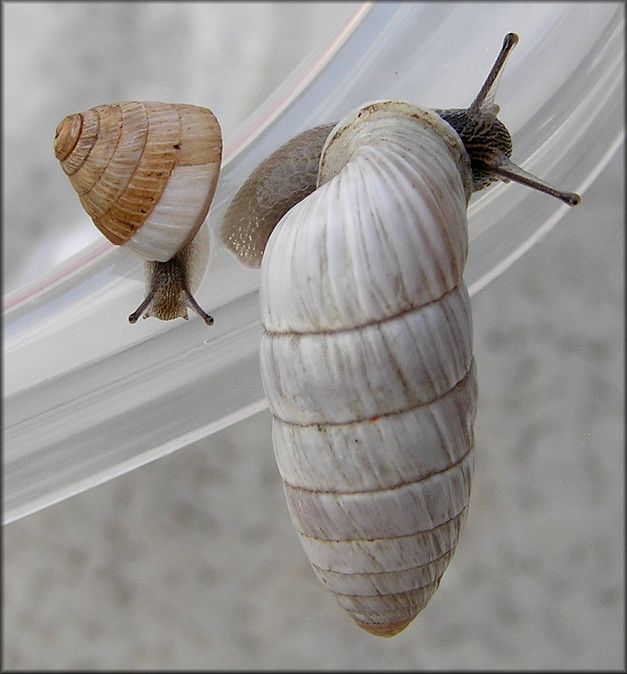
{"points": [[66, 136], [385, 631]]}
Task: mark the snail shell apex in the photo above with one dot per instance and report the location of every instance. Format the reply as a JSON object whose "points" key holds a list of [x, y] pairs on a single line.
{"points": [[144, 172]]}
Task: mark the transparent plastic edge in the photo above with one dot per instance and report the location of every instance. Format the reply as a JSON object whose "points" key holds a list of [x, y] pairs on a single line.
{"points": [[122, 396]]}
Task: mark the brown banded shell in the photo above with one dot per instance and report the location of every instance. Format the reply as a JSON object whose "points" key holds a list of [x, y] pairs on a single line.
{"points": [[144, 172]]}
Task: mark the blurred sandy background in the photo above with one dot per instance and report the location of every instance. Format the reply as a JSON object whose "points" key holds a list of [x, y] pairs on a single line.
{"points": [[191, 562]]}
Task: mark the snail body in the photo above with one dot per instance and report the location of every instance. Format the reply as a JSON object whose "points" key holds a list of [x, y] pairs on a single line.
{"points": [[146, 174], [366, 357], [283, 179]]}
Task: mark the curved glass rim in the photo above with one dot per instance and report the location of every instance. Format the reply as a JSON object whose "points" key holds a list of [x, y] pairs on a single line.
{"points": [[88, 397]]}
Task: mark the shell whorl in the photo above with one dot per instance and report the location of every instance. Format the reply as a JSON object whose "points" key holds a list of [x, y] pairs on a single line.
{"points": [[367, 364], [144, 172], [413, 171]]}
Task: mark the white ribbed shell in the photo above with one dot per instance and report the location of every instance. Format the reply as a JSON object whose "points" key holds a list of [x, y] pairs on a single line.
{"points": [[367, 361]]}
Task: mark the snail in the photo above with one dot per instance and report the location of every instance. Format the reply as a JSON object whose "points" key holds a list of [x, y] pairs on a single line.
{"points": [[146, 174], [366, 356]]}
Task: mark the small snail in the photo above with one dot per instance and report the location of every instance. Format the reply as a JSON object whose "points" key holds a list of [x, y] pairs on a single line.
{"points": [[146, 174], [366, 357]]}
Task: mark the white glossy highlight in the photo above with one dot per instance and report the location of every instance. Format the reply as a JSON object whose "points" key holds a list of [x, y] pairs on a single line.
{"points": [[181, 210]]}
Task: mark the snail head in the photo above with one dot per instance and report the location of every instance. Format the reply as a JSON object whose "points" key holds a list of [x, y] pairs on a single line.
{"points": [[487, 140]]}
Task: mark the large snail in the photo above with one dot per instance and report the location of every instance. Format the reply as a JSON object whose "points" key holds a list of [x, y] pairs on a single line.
{"points": [[146, 174], [366, 357]]}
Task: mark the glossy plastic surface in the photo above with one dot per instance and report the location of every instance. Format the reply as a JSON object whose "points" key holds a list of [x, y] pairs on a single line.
{"points": [[88, 397]]}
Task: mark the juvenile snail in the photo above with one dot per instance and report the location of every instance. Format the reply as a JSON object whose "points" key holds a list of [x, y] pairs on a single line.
{"points": [[366, 357], [146, 174]]}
